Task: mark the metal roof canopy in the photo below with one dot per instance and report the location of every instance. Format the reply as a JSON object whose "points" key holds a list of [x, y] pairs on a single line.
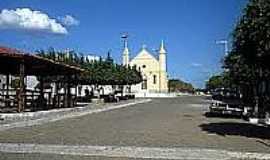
{"points": [[11, 59]]}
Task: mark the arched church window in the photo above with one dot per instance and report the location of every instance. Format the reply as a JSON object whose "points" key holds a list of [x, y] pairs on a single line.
{"points": [[154, 79]]}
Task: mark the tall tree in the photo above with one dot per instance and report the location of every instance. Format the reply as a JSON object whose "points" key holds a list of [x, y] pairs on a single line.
{"points": [[101, 72], [247, 63]]}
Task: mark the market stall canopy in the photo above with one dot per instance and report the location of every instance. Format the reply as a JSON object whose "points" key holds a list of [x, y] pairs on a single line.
{"points": [[11, 59]]}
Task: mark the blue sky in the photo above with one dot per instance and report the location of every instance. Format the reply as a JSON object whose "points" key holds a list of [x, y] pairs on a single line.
{"points": [[188, 27]]}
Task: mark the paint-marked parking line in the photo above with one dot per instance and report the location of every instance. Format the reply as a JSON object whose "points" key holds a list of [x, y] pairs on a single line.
{"points": [[132, 152]]}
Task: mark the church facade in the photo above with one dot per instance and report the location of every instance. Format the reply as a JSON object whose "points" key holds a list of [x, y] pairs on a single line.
{"points": [[153, 69]]}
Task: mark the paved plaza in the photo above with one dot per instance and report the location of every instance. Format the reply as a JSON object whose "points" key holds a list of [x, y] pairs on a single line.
{"points": [[171, 128]]}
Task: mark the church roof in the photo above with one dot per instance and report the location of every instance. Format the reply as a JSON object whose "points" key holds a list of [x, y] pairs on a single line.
{"points": [[144, 54]]}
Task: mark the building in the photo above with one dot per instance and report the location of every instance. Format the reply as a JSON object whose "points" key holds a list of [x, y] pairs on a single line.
{"points": [[154, 70]]}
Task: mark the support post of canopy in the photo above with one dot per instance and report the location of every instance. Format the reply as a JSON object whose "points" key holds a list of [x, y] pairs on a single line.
{"points": [[57, 94], [42, 100], [7, 89], [21, 92], [68, 96]]}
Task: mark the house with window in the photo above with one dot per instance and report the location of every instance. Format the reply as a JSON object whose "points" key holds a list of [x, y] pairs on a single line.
{"points": [[153, 69]]}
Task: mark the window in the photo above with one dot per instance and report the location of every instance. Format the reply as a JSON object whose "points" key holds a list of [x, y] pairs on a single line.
{"points": [[154, 79], [144, 66], [144, 84]]}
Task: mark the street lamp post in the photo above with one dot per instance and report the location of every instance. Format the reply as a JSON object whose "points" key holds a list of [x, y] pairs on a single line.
{"points": [[225, 43], [226, 49]]}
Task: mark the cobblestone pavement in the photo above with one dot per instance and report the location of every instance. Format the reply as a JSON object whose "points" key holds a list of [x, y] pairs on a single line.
{"points": [[41, 117], [163, 123]]}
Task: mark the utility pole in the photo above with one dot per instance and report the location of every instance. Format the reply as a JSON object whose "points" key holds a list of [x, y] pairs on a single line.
{"points": [[225, 43], [125, 55]]}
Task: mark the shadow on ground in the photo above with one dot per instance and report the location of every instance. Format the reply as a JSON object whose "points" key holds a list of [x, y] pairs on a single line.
{"points": [[237, 129], [207, 97]]}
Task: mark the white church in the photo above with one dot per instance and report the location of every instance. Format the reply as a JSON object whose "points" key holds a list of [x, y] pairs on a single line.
{"points": [[153, 69]]}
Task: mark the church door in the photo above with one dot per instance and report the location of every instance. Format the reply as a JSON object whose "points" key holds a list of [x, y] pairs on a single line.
{"points": [[144, 84]]}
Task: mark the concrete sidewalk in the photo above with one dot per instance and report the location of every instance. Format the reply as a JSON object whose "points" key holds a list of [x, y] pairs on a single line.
{"points": [[14, 120]]}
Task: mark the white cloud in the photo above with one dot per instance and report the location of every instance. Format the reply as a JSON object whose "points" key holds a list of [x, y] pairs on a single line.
{"points": [[30, 20], [196, 64], [68, 20]]}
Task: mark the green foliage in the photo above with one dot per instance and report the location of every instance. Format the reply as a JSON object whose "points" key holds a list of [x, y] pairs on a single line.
{"points": [[247, 63], [252, 33], [176, 85], [219, 81], [101, 72], [214, 82], [250, 54]]}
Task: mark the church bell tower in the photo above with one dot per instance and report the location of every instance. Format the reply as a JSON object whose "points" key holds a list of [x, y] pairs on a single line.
{"points": [[163, 85], [162, 57]]}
